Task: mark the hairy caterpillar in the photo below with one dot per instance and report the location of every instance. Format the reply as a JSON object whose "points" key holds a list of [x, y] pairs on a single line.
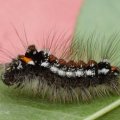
{"points": [[60, 80]]}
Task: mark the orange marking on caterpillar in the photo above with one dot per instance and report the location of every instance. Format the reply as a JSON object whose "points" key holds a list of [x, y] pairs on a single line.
{"points": [[26, 59]]}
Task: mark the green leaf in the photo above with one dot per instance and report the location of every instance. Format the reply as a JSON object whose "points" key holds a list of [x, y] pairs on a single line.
{"points": [[17, 106]]}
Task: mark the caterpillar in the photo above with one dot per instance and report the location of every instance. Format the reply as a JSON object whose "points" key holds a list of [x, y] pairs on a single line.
{"points": [[60, 80]]}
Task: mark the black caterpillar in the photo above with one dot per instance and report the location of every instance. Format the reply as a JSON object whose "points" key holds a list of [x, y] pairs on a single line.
{"points": [[69, 80]]}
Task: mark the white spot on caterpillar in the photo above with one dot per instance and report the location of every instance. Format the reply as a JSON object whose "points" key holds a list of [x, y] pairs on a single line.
{"points": [[70, 74], [54, 69], [45, 64], [31, 63], [79, 73], [8, 69], [61, 72], [103, 71], [19, 65], [34, 52], [92, 65], [90, 73], [115, 74]]}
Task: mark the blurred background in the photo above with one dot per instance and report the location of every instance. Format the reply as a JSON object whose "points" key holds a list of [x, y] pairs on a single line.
{"points": [[39, 17]]}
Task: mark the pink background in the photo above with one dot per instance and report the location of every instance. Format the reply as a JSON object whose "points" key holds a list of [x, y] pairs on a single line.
{"points": [[43, 20]]}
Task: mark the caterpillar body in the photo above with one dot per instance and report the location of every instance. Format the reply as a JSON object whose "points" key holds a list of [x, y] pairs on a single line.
{"points": [[61, 80]]}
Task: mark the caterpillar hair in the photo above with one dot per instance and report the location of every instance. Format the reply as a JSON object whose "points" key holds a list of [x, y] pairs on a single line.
{"points": [[83, 76]]}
